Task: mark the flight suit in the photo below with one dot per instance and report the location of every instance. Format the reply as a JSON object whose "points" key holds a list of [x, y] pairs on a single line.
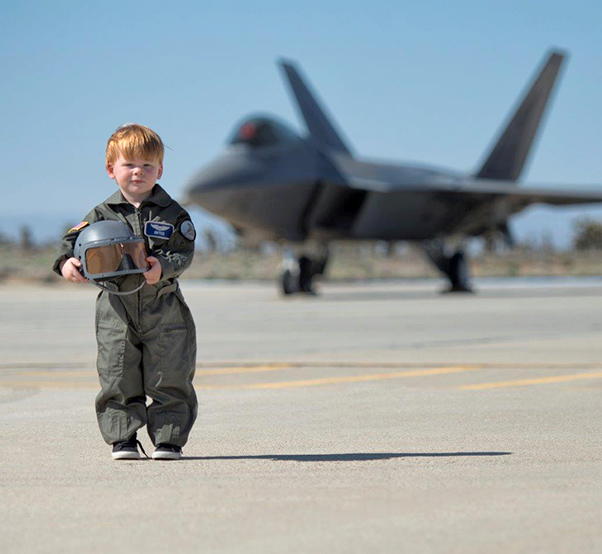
{"points": [[146, 340]]}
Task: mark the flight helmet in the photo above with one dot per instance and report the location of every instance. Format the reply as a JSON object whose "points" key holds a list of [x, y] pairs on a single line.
{"points": [[110, 249]]}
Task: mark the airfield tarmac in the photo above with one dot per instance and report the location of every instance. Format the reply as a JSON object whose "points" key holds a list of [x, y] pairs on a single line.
{"points": [[379, 417]]}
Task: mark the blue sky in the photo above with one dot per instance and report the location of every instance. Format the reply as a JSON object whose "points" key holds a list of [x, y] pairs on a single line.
{"points": [[423, 82]]}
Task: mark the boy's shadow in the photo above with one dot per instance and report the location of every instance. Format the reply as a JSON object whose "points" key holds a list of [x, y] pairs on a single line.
{"points": [[349, 457]]}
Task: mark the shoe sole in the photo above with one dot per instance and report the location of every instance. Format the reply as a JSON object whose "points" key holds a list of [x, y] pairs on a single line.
{"points": [[126, 455], [166, 455]]}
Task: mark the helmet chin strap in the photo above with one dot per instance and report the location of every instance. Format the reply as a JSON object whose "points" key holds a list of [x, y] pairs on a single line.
{"points": [[115, 291]]}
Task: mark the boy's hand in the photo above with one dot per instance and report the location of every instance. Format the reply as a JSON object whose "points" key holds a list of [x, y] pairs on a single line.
{"points": [[70, 270], [153, 275]]}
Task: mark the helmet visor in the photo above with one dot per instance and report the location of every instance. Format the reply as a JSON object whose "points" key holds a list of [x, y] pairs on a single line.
{"points": [[107, 258]]}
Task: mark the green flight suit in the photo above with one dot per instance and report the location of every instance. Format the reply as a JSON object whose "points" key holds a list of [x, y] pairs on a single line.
{"points": [[146, 340]]}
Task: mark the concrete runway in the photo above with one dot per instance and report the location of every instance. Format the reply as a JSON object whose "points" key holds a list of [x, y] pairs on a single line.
{"points": [[373, 418]]}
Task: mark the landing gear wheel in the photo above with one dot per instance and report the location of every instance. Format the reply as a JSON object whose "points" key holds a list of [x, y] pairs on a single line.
{"points": [[454, 267], [459, 274], [289, 282], [306, 275], [298, 273]]}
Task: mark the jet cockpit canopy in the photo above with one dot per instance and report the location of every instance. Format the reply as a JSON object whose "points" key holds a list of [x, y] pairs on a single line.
{"points": [[262, 131]]}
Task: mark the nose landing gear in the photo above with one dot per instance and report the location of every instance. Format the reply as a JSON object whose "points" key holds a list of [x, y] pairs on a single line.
{"points": [[298, 273]]}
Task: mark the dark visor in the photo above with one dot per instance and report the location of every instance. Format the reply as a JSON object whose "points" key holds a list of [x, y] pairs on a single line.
{"points": [[106, 259]]}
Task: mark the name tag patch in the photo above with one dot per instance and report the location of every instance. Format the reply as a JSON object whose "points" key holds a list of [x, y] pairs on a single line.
{"points": [[157, 230]]}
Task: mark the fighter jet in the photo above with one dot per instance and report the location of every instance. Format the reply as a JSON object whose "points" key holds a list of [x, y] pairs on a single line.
{"points": [[272, 184]]}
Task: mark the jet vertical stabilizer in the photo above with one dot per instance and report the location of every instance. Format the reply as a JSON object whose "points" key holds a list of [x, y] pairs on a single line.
{"points": [[321, 129], [507, 159]]}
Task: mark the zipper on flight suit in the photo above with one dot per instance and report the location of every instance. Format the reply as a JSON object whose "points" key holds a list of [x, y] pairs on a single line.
{"points": [[141, 231]]}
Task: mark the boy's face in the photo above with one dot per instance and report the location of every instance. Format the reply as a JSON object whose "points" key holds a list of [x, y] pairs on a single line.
{"points": [[136, 178]]}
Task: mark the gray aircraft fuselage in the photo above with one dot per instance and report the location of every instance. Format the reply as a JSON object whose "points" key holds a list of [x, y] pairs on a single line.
{"points": [[290, 191]]}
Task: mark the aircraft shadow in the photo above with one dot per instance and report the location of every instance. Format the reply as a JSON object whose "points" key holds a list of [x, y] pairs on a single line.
{"points": [[350, 457]]}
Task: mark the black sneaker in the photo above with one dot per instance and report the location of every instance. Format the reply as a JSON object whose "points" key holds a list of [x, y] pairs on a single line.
{"points": [[167, 452], [127, 450]]}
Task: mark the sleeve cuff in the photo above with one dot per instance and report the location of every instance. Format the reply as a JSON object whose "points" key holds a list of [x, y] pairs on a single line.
{"points": [[167, 269], [57, 263]]}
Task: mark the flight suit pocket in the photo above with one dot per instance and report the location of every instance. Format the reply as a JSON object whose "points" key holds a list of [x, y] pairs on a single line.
{"points": [[177, 355], [111, 349]]}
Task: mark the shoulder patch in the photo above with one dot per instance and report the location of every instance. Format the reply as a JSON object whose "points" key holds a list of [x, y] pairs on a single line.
{"points": [[78, 227], [187, 229], [158, 230]]}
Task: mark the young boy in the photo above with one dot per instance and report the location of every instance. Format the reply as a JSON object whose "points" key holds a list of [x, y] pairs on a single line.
{"points": [[146, 340]]}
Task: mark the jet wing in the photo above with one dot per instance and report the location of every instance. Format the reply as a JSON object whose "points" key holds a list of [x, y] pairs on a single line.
{"points": [[487, 190], [527, 195], [468, 206], [493, 203]]}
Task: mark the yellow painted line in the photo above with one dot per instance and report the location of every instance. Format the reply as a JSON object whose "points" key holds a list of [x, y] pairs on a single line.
{"points": [[92, 372], [392, 365], [409, 365], [240, 363], [332, 364], [17, 384], [39, 365], [541, 366], [40, 384], [358, 378], [220, 367], [61, 385], [243, 369], [25, 373], [527, 382]]}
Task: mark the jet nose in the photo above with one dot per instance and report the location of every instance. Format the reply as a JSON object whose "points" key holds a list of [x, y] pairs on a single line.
{"points": [[225, 170], [222, 174]]}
